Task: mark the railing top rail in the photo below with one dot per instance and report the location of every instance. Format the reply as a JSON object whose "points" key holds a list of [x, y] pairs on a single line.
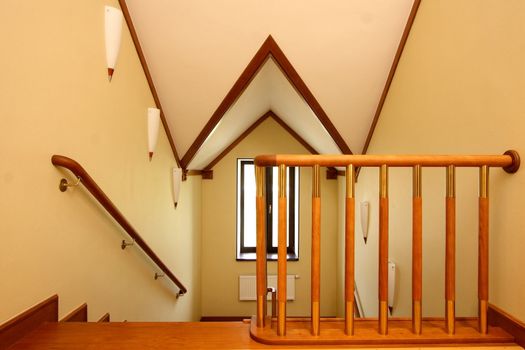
{"points": [[509, 161], [101, 197]]}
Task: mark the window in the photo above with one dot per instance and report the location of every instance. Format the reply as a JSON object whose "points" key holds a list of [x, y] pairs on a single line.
{"points": [[246, 223]]}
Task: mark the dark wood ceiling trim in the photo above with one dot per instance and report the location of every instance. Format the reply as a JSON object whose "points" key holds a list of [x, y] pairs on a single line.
{"points": [[268, 49], [152, 88], [294, 134], [296, 81], [240, 85], [238, 140], [282, 123], [397, 57]]}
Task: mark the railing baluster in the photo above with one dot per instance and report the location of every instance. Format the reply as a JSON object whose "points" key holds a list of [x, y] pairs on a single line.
{"points": [[450, 253], [383, 250], [316, 247], [417, 250], [261, 244], [483, 244], [281, 254], [349, 249]]}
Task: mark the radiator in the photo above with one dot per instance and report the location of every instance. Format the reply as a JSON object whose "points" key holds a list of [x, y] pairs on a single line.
{"points": [[248, 289]]}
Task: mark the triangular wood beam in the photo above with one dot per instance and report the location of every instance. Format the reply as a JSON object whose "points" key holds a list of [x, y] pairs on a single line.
{"points": [[331, 172], [268, 48]]}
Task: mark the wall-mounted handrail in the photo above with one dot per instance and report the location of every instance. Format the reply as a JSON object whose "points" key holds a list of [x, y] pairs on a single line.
{"points": [[101, 197]]}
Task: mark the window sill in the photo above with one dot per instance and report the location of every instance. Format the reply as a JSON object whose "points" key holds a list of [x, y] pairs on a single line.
{"points": [[269, 257]]}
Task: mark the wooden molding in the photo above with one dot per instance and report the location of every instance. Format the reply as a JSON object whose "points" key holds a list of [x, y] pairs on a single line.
{"points": [[268, 49], [207, 174], [147, 73], [16, 328], [331, 173], [293, 133], [77, 315], [397, 57], [513, 326], [105, 318], [282, 123], [238, 140], [224, 318]]}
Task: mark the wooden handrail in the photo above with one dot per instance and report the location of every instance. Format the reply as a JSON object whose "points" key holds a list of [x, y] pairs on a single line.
{"points": [[101, 197], [509, 161]]}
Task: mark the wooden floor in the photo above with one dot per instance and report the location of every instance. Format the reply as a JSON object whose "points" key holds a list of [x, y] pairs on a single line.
{"points": [[129, 335]]}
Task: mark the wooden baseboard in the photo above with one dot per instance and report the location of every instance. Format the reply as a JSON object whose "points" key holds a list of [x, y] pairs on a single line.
{"points": [[77, 315], [510, 324], [105, 318], [224, 318], [16, 328]]}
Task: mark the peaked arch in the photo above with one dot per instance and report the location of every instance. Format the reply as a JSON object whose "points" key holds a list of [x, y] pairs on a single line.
{"points": [[268, 49]]}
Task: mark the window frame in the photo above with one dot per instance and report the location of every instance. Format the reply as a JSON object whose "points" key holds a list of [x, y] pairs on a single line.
{"points": [[244, 253]]}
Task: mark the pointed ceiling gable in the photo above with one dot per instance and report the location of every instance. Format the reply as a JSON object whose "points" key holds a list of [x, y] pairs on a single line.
{"points": [[343, 50], [269, 82]]}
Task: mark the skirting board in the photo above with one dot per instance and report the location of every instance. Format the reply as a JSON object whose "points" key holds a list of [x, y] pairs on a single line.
{"points": [[510, 324]]}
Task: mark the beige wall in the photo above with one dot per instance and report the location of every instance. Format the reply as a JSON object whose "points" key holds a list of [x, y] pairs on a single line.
{"points": [[55, 98], [220, 270], [459, 88]]}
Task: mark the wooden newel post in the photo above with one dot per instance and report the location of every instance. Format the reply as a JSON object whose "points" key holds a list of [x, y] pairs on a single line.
{"points": [[316, 249], [450, 251], [417, 250], [260, 207], [383, 250], [483, 245], [281, 254], [349, 249]]}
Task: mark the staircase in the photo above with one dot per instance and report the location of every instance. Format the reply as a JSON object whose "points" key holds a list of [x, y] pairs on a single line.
{"points": [[39, 328]]}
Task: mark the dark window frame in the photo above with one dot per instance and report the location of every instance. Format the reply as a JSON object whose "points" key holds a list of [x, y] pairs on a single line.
{"points": [[244, 253]]}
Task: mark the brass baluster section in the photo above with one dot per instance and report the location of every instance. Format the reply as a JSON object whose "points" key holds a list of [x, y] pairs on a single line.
{"points": [[260, 205], [450, 254], [417, 249], [483, 246], [281, 254], [349, 249], [383, 250], [316, 249]]}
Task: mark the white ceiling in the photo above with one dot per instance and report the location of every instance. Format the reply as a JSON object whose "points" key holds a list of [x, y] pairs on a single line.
{"points": [[196, 50]]}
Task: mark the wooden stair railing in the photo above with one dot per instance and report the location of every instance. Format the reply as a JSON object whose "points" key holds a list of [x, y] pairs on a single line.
{"points": [[101, 197], [263, 327]]}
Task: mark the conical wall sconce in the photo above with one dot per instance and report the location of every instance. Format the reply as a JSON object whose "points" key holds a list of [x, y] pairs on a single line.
{"points": [[113, 21], [153, 129], [177, 180]]}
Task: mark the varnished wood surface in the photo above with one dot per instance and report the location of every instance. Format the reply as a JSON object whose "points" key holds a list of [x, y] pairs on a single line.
{"points": [[366, 333], [101, 197], [190, 335], [504, 160], [483, 247], [498, 317], [105, 318], [19, 326], [80, 314]]}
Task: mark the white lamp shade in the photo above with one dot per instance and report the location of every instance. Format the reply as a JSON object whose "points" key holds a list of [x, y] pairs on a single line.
{"points": [[177, 180], [153, 129], [113, 28]]}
